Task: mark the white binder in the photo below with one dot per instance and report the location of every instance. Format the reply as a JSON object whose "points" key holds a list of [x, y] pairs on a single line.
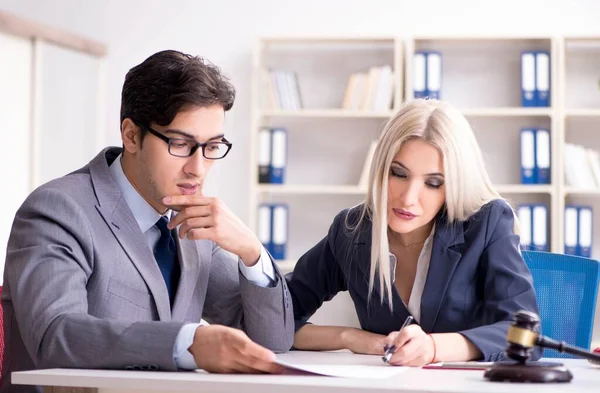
{"points": [[528, 79], [540, 227], [419, 75], [542, 78], [585, 231], [264, 155], [264, 226], [434, 75], [280, 231], [528, 171], [542, 156], [571, 228], [524, 215], [279, 155]]}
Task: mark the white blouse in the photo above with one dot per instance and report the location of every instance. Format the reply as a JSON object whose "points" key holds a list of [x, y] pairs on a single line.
{"points": [[414, 303]]}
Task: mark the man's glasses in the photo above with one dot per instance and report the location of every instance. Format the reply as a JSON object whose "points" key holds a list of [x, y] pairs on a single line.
{"points": [[183, 147]]}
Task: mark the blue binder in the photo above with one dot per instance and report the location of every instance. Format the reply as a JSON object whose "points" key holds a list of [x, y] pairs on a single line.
{"points": [[528, 95], [279, 230], [542, 79], [419, 74], [542, 156], [434, 75], [585, 231], [539, 216], [526, 221], [264, 226], [571, 230], [528, 156], [264, 155], [278, 155]]}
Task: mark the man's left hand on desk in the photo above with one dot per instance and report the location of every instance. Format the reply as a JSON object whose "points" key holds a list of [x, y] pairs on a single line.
{"points": [[221, 349]]}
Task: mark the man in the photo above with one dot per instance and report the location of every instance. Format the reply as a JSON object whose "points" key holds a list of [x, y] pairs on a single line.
{"points": [[114, 265]]}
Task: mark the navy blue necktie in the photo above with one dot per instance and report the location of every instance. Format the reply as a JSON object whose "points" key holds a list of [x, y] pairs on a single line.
{"points": [[165, 253]]}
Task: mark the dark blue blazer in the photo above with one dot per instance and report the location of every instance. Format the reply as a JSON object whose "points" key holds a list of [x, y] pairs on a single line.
{"points": [[476, 280]]}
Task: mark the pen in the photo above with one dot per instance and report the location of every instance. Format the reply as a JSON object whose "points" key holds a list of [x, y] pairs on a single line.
{"points": [[390, 350]]}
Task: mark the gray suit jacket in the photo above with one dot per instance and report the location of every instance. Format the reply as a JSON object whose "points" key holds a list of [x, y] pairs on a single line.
{"points": [[82, 288]]}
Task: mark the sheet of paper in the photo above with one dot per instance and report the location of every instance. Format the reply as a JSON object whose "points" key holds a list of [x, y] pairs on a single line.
{"points": [[341, 370]]}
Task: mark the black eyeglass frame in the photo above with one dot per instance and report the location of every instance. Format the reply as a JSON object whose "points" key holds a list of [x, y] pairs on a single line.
{"points": [[169, 141]]}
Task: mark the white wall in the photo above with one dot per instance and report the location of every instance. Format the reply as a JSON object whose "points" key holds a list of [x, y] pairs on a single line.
{"points": [[224, 31]]}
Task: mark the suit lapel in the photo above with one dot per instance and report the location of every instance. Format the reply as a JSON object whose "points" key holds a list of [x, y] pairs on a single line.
{"points": [[442, 265], [119, 218], [191, 264]]}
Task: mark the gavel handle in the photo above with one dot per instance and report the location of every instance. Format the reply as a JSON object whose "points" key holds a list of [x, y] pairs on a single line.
{"points": [[563, 347]]}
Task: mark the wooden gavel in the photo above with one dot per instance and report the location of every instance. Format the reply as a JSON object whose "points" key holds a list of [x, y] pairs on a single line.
{"points": [[523, 336]]}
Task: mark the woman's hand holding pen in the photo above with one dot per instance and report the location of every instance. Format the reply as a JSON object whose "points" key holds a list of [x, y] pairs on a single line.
{"points": [[363, 342], [413, 347]]}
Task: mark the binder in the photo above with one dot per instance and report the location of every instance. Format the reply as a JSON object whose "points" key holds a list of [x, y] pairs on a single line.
{"points": [[279, 235], [278, 155], [419, 72], [525, 219], [528, 79], [434, 75], [265, 223], [539, 215], [542, 79], [585, 231], [264, 155], [571, 230], [542, 156], [528, 167]]}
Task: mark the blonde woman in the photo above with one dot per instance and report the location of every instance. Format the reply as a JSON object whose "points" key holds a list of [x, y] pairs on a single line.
{"points": [[432, 240]]}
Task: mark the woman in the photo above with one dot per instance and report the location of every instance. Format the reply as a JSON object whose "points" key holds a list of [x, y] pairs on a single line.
{"points": [[433, 240]]}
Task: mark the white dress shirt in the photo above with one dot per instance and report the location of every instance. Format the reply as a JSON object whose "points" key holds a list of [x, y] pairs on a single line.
{"points": [[262, 273], [414, 303]]}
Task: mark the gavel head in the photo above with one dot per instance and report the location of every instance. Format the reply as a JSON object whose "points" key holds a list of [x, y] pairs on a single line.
{"points": [[522, 336]]}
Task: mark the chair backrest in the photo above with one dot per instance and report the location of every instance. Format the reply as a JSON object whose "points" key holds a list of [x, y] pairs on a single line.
{"points": [[566, 287]]}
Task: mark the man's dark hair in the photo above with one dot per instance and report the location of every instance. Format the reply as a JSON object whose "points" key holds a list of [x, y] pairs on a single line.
{"points": [[168, 82]]}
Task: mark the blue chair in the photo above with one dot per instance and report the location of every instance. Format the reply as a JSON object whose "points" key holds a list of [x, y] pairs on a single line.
{"points": [[566, 287]]}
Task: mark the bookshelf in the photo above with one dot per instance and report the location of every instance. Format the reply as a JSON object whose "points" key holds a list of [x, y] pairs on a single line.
{"points": [[320, 134], [481, 76], [579, 121]]}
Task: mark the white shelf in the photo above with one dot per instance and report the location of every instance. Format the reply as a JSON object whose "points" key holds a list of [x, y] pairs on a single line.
{"points": [[508, 112], [328, 40], [581, 191], [472, 112], [355, 190], [322, 113], [583, 112], [316, 189], [524, 188], [491, 39]]}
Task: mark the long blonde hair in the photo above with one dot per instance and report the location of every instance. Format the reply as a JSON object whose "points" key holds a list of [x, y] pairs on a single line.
{"points": [[467, 184]]}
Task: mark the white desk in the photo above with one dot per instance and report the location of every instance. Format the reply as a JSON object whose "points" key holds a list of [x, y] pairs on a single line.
{"points": [[586, 378]]}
